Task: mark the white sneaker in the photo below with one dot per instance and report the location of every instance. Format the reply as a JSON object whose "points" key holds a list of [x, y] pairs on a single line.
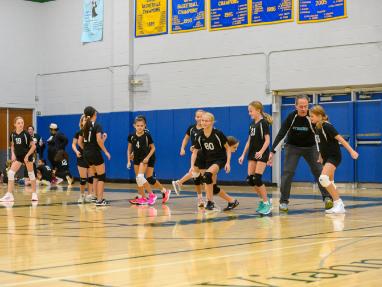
{"points": [[176, 186], [81, 199], [88, 198], [70, 180], [34, 196], [59, 180], [8, 197], [338, 207]]}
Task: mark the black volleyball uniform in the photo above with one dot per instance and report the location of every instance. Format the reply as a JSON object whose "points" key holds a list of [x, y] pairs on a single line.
{"points": [[46, 173], [213, 148], [62, 168], [81, 162], [329, 146], [21, 143], [257, 132], [141, 147], [92, 151], [193, 133]]}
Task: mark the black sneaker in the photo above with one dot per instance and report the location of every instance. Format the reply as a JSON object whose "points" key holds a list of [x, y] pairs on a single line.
{"points": [[210, 205], [102, 202], [231, 205]]}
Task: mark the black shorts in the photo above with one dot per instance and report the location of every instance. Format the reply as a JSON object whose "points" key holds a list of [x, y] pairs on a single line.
{"points": [[264, 158], [333, 159], [20, 158], [93, 157], [220, 162], [151, 162], [200, 161], [81, 162]]}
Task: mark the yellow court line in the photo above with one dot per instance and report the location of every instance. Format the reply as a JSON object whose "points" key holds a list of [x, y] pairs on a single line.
{"points": [[174, 263]]}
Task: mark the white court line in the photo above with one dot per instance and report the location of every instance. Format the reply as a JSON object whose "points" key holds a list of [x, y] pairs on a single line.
{"points": [[172, 263]]}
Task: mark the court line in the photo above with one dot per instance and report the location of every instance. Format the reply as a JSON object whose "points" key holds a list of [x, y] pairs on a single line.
{"points": [[171, 263]]}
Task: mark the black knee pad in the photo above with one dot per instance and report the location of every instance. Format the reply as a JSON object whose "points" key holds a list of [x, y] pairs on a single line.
{"points": [[83, 181], [216, 189], [101, 177], [257, 179], [198, 180], [90, 179], [207, 178], [251, 180], [151, 180]]}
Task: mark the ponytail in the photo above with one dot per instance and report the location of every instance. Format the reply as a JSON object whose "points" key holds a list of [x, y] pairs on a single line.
{"points": [[259, 106], [319, 111], [267, 117], [87, 127]]}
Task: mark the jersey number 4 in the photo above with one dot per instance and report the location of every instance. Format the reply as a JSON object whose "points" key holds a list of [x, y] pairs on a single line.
{"points": [[137, 145], [209, 146]]}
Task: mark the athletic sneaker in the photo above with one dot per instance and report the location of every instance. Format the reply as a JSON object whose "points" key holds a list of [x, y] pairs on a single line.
{"points": [[89, 198], [177, 187], [259, 206], [266, 209], [8, 197], [283, 207], [94, 199], [201, 203], [134, 200], [142, 201], [211, 206], [102, 202], [231, 205], [328, 203], [152, 198], [166, 195], [58, 180], [70, 180], [81, 200], [34, 196], [338, 207]]}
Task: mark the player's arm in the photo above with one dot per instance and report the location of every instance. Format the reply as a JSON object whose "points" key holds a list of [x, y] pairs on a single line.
{"points": [[101, 144], [152, 150], [184, 144]]}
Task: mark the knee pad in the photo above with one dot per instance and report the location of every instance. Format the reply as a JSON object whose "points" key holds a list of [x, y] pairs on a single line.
{"points": [[83, 181], [140, 179], [90, 179], [195, 174], [257, 179], [324, 180], [31, 175], [251, 180], [101, 177], [207, 178], [198, 180], [11, 175], [216, 189], [151, 180]]}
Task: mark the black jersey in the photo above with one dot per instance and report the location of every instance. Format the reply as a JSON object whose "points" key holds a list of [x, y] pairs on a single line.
{"points": [[329, 146], [193, 132], [212, 146], [21, 142], [62, 165], [141, 144], [76, 136], [90, 142], [46, 172], [257, 132]]}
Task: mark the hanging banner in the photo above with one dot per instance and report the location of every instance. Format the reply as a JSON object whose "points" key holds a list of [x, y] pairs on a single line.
{"points": [[187, 15], [92, 21], [150, 17], [271, 11], [321, 10], [228, 14]]}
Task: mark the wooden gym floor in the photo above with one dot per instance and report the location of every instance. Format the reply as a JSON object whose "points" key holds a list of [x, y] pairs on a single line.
{"points": [[61, 243]]}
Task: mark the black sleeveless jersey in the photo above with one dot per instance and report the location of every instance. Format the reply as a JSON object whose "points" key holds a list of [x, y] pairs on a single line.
{"points": [[21, 142], [193, 133]]}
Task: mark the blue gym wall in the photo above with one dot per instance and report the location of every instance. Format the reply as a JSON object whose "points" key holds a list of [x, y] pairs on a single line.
{"points": [[168, 128]]}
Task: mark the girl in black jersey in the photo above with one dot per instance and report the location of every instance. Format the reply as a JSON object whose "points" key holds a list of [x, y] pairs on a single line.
{"points": [[22, 149], [62, 167], [141, 150], [217, 155], [91, 141], [330, 154], [192, 133], [86, 174], [257, 147]]}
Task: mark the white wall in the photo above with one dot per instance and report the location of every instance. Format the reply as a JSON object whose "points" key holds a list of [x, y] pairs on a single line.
{"points": [[202, 68], [19, 52]]}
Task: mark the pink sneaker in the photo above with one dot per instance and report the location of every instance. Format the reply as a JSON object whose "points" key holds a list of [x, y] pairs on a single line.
{"points": [[152, 199], [166, 196], [142, 201], [134, 201]]}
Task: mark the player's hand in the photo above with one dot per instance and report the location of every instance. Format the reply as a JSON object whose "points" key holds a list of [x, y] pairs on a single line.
{"points": [[128, 165], [145, 160], [78, 154], [108, 155], [241, 159], [182, 152], [270, 159], [26, 159], [354, 154], [192, 149], [227, 168], [258, 155]]}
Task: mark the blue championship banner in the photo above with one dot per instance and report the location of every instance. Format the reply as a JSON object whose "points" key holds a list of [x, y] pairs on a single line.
{"points": [[228, 14], [92, 21], [150, 17], [271, 11], [187, 15], [321, 10]]}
